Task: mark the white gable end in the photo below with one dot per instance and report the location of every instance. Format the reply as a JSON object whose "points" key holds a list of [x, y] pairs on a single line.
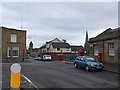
{"points": [[56, 40]]}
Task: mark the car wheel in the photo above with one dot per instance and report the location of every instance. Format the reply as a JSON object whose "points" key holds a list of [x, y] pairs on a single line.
{"points": [[75, 65], [87, 68]]}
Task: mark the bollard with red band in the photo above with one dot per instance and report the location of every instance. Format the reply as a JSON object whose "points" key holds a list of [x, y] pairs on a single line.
{"points": [[15, 75]]}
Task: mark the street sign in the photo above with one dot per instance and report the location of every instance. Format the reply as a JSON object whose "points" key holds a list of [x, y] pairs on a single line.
{"points": [[15, 75]]}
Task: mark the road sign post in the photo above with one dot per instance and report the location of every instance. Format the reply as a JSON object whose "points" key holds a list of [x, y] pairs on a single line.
{"points": [[15, 75]]}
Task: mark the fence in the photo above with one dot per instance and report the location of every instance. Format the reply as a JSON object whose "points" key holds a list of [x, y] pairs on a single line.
{"points": [[68, 57]]}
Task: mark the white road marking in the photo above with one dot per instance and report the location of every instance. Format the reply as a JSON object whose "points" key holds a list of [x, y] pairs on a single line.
{"points": [[30, 81]]}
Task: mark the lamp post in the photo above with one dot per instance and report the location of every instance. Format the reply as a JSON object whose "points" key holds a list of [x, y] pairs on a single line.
{"points": [[23, 54]]}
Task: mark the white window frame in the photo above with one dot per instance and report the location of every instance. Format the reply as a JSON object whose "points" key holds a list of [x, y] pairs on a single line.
{"points": [[67, 49], [12, 48], [16, 49], [14, 38], [96, 50], [111, 49]]}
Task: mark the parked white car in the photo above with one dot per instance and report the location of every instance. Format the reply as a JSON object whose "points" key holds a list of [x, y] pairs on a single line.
{"points": [[47, 58]]}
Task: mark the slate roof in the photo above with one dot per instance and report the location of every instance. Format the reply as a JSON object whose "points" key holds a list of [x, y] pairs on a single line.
{"points": [[43, 46], [53, 40], [76, 48], [107, 35], [60, 45], [2, 27], [35, 49]]}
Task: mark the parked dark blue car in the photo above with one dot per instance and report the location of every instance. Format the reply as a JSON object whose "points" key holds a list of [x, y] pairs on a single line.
{"points": [[38, 59], [88, 63]]}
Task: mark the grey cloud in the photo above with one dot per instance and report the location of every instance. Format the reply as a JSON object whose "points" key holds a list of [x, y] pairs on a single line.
{"points": [[46, 21]]}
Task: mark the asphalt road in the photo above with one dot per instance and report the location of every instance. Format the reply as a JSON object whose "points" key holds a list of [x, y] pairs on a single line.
{"points": [[58, 74]]}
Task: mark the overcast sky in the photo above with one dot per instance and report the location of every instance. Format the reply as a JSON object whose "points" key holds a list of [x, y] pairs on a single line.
{"points": [[49, 20]]}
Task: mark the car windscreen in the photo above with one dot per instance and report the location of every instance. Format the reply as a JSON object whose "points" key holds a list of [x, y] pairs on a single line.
{"points": [[47, 56], [89, 59]]}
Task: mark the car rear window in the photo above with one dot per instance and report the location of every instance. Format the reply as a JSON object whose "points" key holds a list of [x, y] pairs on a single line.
{"points": [[48, 56], [90, 59]]}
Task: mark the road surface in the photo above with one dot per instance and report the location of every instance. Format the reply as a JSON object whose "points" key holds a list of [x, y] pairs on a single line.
{"points": [[58, 74]]}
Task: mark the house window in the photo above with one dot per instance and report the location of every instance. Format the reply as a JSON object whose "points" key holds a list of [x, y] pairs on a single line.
{"points": [[9, 51], [13, 38], [111, 49], [96, 50], [67, 49], [58, 49], [13, 51]]}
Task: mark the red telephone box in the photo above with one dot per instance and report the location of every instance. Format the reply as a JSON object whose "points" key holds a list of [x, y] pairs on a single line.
{"points": [[80, 53], [99, 57]]}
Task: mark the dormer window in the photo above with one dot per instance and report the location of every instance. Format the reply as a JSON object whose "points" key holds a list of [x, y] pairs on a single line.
{"points": [[13, 38]]}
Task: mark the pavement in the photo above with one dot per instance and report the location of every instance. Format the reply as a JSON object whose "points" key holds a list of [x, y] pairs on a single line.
{"points": [[112, 68], [0, 76], [24, 83]]}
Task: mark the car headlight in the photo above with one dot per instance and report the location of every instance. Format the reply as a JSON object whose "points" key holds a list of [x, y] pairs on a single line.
{"points": [[92, 64], [101, 64]]}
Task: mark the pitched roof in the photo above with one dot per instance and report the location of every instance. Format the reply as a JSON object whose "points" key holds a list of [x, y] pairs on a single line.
{"points": [[76, 48], [35, 49], [107, 35], [54, 40], [60, 45], [2, 27], [43, 46]]}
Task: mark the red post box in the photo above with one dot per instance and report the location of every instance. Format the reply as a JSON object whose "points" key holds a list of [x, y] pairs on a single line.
{"points": [[80, 53], [99, 57], [23, 51]]}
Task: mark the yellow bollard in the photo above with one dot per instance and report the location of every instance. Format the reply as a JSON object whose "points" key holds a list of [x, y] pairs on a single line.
{"points": [[15, 75]]}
